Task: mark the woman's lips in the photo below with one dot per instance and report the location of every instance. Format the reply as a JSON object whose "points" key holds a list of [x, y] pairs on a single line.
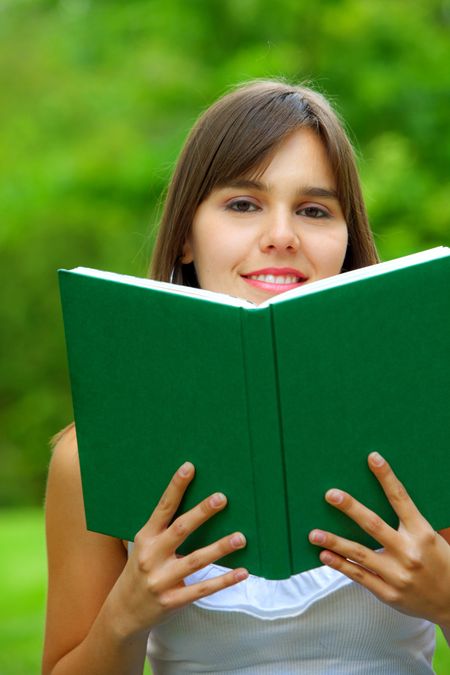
{"points": [[275, 280]]}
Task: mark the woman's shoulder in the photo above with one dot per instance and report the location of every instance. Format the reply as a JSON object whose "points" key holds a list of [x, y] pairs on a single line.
{"points": [[64, 468], [64, 456], [83, 566], [64, 491], [66, 438], [64, 488]]}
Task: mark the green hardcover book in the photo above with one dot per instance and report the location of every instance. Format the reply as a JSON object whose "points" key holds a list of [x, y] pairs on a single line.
{"points": [[273, 404]]}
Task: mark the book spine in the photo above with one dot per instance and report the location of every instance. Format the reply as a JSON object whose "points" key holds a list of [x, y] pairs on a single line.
{"points": [[266, 443]]}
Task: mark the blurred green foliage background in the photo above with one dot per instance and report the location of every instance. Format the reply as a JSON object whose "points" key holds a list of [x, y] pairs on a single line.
{"points": [[96, 99]]}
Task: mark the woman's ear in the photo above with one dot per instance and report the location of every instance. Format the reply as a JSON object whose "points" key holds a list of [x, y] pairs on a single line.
{"points": [[187, 255]]}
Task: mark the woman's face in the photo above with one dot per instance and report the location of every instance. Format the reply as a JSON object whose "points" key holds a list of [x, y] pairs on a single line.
{"points": [[256, 238]]}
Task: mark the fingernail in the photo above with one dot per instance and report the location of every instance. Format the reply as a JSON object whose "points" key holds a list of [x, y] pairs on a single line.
{"points": [[237, 540], [217, 499], [317, 537], [240, 575], [335, 496], [185, 469], [376, 458], [326, 557]]}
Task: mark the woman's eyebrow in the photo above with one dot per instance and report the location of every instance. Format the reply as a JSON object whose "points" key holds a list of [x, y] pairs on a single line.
{"points": [[310, 191], [244, 184], [304, 191]]}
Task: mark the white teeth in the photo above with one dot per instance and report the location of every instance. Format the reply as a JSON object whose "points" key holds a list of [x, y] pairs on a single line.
{"points": [[271, 279]]}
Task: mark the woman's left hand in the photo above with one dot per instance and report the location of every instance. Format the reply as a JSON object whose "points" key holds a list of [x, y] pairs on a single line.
{"points": [[412, 572]]}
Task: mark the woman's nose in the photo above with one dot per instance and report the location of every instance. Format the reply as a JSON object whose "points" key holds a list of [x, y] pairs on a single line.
{"points": [[279, 233]]}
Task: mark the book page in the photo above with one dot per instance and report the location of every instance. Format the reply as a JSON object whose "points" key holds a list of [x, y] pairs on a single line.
{"points": [[211, 296], [361, 273], [306, 289]]}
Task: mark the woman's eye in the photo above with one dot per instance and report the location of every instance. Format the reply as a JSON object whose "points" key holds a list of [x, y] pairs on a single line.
{"points": [[242, 206], [313, 212]]}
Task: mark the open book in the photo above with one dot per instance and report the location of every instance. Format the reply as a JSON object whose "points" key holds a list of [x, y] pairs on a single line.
{"points": [[273, 404]]}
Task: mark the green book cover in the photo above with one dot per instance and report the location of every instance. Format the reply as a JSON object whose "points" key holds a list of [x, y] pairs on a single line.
{"points": [[273, 404]]}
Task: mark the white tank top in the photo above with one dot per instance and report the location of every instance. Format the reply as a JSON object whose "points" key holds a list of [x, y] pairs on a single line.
{"points": [[317, 622]]}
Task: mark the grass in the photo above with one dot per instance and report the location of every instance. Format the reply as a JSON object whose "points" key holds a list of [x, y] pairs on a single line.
{"points": [[22, 595]]}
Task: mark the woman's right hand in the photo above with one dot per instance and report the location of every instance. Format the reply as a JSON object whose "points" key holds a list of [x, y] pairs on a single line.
{"points": [[151, 585]]}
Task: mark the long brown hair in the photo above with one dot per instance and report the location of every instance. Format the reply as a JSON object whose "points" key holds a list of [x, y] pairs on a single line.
{"points": [[236, 137]]}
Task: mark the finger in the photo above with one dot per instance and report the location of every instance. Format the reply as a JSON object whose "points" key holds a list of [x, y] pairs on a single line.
{"points": [[185, 524], [171, 499], [205, 556], [348, 549], [180, 597], [369, 521], [375, 584], [395, 491]]}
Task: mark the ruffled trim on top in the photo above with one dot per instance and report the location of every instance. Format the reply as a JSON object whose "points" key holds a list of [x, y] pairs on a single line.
{"points": [[266, 598]]}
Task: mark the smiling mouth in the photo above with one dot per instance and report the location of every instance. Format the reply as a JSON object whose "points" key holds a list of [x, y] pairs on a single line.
{"points": [[275, 280]]}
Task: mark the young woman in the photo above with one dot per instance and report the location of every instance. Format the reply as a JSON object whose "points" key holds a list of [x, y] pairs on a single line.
{"points": [[265, 197]]}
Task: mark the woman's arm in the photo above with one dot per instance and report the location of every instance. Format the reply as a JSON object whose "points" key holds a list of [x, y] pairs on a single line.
{"points": [[412, 572], [82, 569], [101, 604]]}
